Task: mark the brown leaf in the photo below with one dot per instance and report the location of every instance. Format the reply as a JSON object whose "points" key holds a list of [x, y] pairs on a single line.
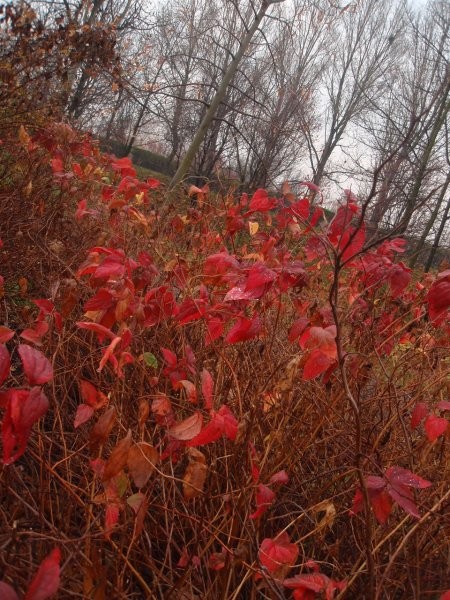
{"points": [[328, 510], [195, 475], [143, 412], [102, 429], [118, 457], [187, 429], [141, 461]]}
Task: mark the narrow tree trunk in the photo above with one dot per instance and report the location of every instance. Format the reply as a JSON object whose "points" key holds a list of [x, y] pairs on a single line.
{"points": [[437, 239], [413, 197], [430, 223], [219, 96]]}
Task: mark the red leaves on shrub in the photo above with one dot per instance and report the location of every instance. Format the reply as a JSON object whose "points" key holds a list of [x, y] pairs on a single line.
{"points": [[223, 423], [324, 351], [261, 202], [419, 413], [124, 166], [244, 329], [264, 499], [435, 427], [46, 580], [399, 277], [397, 484], [94, 399], [5, 363], [207, 389], [38, 369], [187, 429], [277, 552], [5, 334], [23, 409], [7, 592], [36, 333], [438, 297], [307, 585]]}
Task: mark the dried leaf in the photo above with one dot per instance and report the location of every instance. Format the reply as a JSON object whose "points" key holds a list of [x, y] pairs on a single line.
{"points": [[101, 430], [118, 458], [195, 475], [329, 509], [141, 461]]}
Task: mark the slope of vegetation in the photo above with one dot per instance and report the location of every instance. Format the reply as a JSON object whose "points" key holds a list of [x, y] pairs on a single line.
{"points": [[205, 395]]}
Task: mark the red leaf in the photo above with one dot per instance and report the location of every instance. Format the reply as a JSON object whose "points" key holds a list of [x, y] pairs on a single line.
{"points": [[5, 363], [399, 277], [382, 505], [91, 395], [400, 481], [57, 166], [190, 389], [83, 210], [34, 407], [46, 580], [5, 334], [419, 413], [259, 279], [222, 423], [84, 413], [34, 334], [169, 357], [398, 475], [261, 202], [443, 405], [308, 581], [7, 592], [210, 433], [307, 585], [435, 427], [317, 363], [100, 330], [102, 300], [215, 328], [187, 429], [277, 552], [438, 297], [297, 328], [124, 166], [351, 243], [264, 499], [207, 389], [24, 408], [38, 369], [281, 477], [217, 561], [318, 337], [341, 222], [111, 518], [108, 352], [243, 330]]}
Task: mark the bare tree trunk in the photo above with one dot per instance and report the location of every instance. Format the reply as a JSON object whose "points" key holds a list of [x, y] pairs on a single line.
{"points": [[437, 239], [219, 96], [438, 123], [430, 223]]}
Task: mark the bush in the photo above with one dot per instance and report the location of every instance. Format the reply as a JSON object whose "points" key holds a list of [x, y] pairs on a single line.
{"points": [[245, 399]]}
